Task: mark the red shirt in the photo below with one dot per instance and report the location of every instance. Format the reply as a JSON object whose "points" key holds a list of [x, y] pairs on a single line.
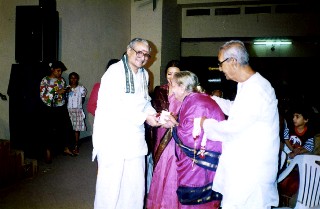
{"points": [[92, 102]]}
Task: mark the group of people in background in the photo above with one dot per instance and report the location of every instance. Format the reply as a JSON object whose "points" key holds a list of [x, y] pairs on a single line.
{"points": [[63, 112], [207, 151]]}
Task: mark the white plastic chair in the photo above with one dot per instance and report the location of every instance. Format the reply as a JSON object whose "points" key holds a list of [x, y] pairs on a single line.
{"points": [[309, 181]]}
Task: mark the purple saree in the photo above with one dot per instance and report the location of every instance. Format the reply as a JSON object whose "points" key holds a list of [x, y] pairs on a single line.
{"points": [[189, 174]]}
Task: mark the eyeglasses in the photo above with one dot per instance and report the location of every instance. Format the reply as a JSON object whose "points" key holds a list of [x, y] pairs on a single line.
{"points": [[220, 63], [141, 54]]}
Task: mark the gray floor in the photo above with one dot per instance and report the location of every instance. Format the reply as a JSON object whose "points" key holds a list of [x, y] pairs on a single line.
{"points": [[67, 183]]}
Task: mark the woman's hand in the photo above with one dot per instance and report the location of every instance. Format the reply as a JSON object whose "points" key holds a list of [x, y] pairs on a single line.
{"points": [[170, 122], [60, 91]]}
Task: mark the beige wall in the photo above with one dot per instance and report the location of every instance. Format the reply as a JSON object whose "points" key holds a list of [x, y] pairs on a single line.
{"points": [[242, 25], [248, 25], [162, 27], [147, 23], [171, 34], [91, 33]]}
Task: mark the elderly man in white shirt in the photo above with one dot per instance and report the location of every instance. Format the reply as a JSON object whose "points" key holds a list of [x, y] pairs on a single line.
{"points": [[118, 132], [247, 170]]}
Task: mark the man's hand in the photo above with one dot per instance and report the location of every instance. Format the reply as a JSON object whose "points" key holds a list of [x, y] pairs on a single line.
{"points": [[152, 120], [201, 122], [197, 126]]}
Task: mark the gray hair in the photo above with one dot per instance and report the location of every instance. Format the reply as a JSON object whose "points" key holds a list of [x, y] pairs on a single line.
{"points": [[188, 79], [236, 50], [136, 40]]}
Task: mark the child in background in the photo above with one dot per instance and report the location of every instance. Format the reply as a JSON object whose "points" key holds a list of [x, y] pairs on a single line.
{"points": [[298, 139], [76, 98]]}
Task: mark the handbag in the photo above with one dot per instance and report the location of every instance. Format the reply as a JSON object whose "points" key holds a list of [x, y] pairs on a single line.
{"points": [[198, 195]]}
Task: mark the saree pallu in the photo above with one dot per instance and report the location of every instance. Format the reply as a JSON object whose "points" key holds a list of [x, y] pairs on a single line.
{"points": [[162, 145]]}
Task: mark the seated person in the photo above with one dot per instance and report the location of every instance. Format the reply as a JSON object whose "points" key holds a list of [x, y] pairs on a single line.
{"points": [[299, 139]]}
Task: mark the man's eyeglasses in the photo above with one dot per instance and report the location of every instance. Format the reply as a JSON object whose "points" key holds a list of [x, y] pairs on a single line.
{"points": [[141, 54], [220, 63]]}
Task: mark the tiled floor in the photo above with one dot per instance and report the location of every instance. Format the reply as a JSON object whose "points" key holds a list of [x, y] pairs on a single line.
{"points": [[67, 183]]}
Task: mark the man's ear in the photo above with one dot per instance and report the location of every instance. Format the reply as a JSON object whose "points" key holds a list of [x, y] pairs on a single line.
{"points": [[234, 63]]}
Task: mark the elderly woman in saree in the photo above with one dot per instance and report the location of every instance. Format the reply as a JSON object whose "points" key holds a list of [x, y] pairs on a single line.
{"points": [[197, 157]]}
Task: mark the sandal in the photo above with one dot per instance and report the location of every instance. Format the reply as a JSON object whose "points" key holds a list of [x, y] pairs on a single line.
{"points": [[68, 152], [76, 150]]}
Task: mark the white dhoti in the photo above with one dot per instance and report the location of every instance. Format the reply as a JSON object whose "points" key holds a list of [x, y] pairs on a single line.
{"points": [[120, 183]]}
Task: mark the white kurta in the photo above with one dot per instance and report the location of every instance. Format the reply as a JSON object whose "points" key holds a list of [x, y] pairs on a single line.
{"points": [[247, 169], [119, 139], [119, 121]]}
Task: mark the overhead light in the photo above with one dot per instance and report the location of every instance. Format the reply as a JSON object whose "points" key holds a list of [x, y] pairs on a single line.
{"points": [[214, 80], [271, 42]]}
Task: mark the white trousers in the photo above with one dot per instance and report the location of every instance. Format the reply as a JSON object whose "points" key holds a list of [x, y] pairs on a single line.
{"points": [[120, 183]]}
